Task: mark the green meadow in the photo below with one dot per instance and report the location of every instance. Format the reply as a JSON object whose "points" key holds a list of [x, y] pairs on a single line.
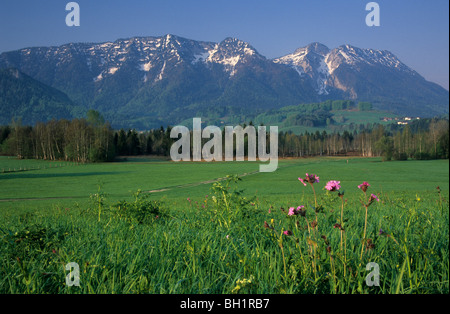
{"points": [[149, 225]]}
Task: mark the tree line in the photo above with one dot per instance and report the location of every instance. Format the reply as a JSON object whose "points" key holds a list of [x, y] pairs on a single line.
{"points": [[78, 140], [427, 139], [91, 139]]}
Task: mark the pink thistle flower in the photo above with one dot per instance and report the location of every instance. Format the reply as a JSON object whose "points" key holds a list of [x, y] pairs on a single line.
{"points": [[373, 197], [310, 178], [291, 211], [287, 232], [295, 212], [333, 186], [364, 186]]}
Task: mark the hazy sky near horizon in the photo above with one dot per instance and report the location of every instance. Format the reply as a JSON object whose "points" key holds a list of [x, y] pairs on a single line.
{"points": [[417, 31]]}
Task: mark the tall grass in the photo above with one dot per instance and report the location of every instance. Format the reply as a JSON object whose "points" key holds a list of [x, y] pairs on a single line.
{"points": [[229, 242]]}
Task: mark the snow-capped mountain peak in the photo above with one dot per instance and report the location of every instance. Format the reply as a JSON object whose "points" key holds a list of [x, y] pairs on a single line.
{"points": [[231, 52], [320, 63], [310, 61], [353, 56], [175, 75]]}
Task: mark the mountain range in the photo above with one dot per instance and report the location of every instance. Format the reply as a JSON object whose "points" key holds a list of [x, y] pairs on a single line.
{"points": [[145, 82]]}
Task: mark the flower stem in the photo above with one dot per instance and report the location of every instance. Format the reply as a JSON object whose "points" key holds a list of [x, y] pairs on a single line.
{"points": [[282, 252], [315, 204], [315, 198], [365, 229], [342, 217], [334, 273], [342, 231], [301, 255]]}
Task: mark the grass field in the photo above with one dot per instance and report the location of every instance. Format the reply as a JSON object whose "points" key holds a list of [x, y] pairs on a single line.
{"points": [[186, 233]]}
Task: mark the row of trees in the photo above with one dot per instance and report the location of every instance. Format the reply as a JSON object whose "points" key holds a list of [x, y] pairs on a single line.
{"points": [[93, 140], [79, 140], [429, 141]]}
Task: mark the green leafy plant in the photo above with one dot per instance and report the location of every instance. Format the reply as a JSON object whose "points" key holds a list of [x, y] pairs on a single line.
{"points": [[140, 211], [230, 204]]}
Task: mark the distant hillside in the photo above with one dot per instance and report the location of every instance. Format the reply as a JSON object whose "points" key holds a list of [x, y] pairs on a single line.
{"points": [[22, 97], [337, 115]]}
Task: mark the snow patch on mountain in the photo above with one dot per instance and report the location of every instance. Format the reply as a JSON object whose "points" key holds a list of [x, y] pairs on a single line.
{"points": [[98, 77], [202, 57], [145, 67], [324, 75], [249, 51], [160, 75], [112, 71]]}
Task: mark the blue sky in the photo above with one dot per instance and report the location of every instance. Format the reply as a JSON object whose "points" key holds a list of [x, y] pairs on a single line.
{"points": [[416, 31]]}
